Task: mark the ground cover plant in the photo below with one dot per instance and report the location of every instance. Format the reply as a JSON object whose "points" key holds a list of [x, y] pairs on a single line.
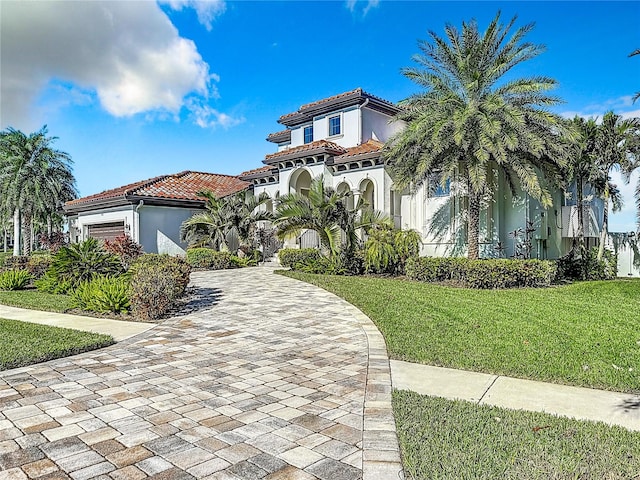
{"points": [[567, 334], [444, 439], [23, 343]]}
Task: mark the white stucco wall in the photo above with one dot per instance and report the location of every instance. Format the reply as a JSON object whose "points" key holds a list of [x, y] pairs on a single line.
{"points": [[376, 125], [160, 228], [349, 123]]}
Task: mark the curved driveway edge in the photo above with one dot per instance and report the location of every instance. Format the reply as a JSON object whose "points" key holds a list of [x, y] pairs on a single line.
{"points": [[270, 378]]}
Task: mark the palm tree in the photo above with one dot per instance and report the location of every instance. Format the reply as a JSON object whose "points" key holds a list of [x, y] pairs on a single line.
{"points": [[617, 146], [234, 216], [324, 210], [637, 95], [35, 178], [582, 167], [470, 120]]}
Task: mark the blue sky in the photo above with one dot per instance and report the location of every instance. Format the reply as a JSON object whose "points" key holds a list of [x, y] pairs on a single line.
{"points": [[138, 89]]}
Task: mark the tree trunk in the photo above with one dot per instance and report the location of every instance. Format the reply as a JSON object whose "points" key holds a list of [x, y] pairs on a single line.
{"points": [[26, 234], [605, 223], [16, 232], [579, 202], [473, 231], [49, 225]]}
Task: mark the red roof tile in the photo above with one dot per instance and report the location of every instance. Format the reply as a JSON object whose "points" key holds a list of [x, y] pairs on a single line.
{"points": [[180, 186], [318, 144], [370, 146], [266, 168], [320, 102], [279, 137]]}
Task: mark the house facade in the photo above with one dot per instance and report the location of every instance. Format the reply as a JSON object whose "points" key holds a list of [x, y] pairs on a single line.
{"points": [[341, 138], [150, 211]]}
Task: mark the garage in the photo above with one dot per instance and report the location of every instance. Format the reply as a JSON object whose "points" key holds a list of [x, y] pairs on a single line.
{"points": [[106, 231]]}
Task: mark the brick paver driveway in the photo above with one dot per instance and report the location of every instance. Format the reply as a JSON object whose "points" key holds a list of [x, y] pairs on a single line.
{"points": [[268, 378]]}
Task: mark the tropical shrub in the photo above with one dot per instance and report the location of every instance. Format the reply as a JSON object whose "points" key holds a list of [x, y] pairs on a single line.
{"points": [[53, 241], [289, 257], [482, 274], [387, 250], [175, 267], [321, 265], [14, 279], [573, 266], [102, 294], [125, 249], [209, 259], [3, 258], [38, 265], [18, 262], [77, 263]]}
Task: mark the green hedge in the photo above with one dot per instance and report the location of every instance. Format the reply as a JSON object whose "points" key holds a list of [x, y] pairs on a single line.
{"points": [[289, 257], [209, 259], [489, 273], [156, 282]]}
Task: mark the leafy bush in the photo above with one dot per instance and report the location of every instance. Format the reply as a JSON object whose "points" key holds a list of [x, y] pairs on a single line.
{"points": [[125, 249], [14, 279], [387, 251], [321, 265], [209, 259], [489, 273], [38, 265], [291, 256], [78, 263], [19, 262], [352, 262], [156, 282], [53, 241], [574, 266], [3, 258], [102, 294]]}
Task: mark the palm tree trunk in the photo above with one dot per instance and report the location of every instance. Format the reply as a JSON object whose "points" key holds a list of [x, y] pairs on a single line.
{"points": [[26, 234], [579, 201], [16, 232], [473, 232], [605, 223]]}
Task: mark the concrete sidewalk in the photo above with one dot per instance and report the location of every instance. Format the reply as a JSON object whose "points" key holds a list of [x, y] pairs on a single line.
{"points": [[612, 408], [118, 329]]}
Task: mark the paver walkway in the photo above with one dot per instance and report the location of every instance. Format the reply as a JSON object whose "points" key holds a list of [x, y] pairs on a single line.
{"points": [[270, 378]]}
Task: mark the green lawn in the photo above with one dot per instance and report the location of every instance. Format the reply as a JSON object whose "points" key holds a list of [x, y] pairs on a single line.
{"points": [[23, 343], [444, 439], [585, 334], [36, 300]]}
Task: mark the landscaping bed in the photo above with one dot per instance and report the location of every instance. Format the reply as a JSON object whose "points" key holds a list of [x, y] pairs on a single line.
{"points": [[585, 334], [444, 439]]}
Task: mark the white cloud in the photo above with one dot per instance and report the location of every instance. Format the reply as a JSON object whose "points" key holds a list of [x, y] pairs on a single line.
{"points": [[207, 10], [206, 116], [128, 55], [354, 6], [622, 106]]}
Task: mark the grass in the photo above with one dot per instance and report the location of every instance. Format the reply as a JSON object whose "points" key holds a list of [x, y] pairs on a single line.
{"points": [[585, 334], [444, 439], [23, 343], [36, 300]]}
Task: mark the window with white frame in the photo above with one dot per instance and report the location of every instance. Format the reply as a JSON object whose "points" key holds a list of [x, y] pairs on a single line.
{"points": [[437, 189], [308, 134], [334, 126]]}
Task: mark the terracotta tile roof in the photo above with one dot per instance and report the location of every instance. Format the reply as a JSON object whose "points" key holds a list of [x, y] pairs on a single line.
{"points": [[179, 186], [279, 137], [266, 168], [352, 97], [307, 147], [370, 146], [309, 105]]}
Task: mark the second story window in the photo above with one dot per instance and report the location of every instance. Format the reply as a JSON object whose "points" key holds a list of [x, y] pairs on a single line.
{"points": [[308, 134], [334, 126]]}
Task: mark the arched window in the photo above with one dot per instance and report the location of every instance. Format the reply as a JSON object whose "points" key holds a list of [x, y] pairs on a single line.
{"points": [[344, 187], [367, 193], [300, 182]]}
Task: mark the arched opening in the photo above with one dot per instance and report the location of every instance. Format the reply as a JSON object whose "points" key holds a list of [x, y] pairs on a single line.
{"points": [[367, 193], [269, 206], [300, 182], [344, 187]]}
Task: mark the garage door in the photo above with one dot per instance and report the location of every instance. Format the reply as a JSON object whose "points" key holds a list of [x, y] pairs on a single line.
{"points": [[106, 231]]}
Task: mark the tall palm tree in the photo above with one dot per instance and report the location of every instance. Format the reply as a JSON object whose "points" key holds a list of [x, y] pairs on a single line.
{"points": [[324, 210], [637, 95], [582, 167], [470, 119], [234, 216], [35, 178], [617, 146]]}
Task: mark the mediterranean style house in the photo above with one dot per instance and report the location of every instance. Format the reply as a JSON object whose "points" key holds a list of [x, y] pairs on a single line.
{"points": [[340, 138]]}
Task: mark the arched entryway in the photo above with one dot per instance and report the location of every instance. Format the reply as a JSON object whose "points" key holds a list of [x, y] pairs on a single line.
{"points": [[367, 193], [344, 187], [300, 182]]}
